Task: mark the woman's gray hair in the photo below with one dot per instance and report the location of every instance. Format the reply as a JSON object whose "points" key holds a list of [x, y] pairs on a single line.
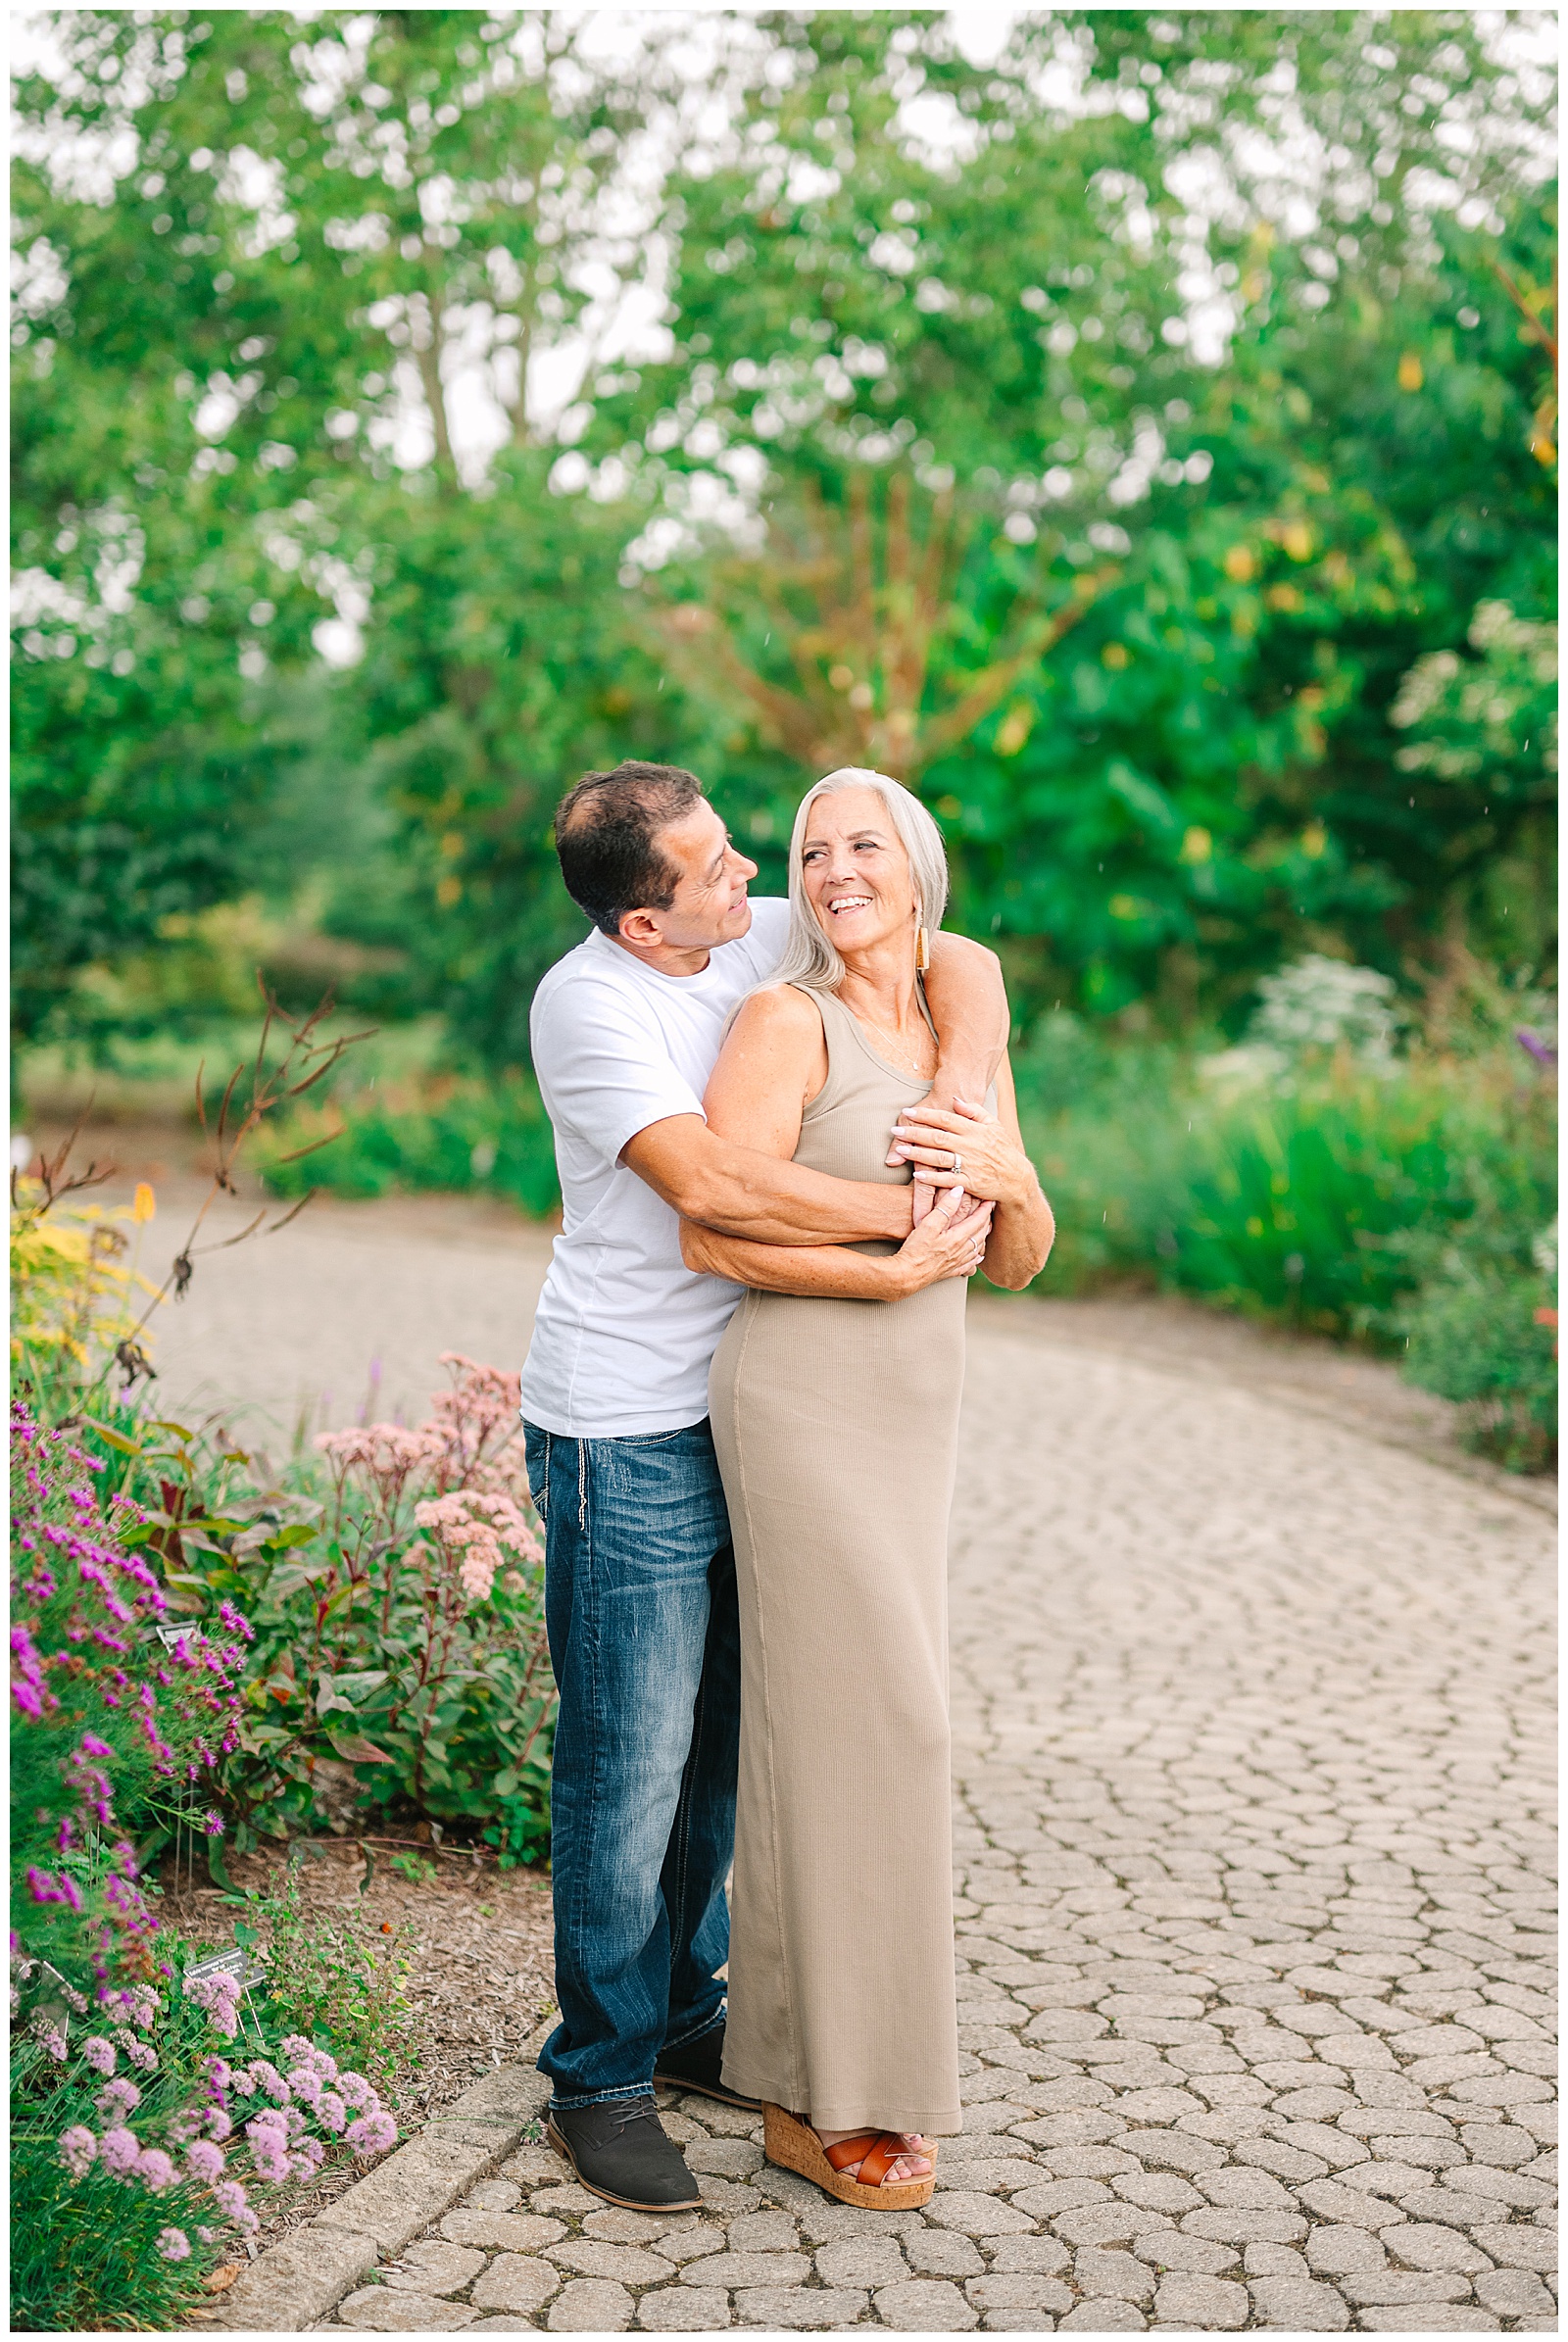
{"points": [[809, 958]]}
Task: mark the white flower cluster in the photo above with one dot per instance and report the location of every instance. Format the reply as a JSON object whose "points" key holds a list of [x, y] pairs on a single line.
{"points": [[1315, 1007], [1322, 1004], [1471, 710]]}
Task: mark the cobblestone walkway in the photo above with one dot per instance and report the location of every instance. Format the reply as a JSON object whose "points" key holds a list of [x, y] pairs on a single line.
{"points": [[1253, 1734]]}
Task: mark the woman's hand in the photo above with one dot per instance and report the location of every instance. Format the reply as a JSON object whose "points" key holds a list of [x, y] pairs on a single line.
{"points": [[967, 1144], [949, 1242]]}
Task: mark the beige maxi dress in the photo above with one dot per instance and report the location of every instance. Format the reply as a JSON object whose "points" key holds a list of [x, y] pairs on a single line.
{"points": [[836, 1427]]}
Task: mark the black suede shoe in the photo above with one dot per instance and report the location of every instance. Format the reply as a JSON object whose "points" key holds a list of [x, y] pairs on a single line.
{"points": [[618, 2150], [699, 2065]]}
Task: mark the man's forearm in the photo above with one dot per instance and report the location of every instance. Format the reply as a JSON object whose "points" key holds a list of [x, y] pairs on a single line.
{"points": [[833, 1270], [741, 1191], [783, 1203], [969, 1008]]}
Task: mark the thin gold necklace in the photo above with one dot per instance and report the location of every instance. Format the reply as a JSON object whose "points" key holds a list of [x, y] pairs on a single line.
{"points": [[912, 1065]]}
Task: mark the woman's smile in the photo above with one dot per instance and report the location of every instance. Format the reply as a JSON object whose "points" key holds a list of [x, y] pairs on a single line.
{"points": [[850, 831]]}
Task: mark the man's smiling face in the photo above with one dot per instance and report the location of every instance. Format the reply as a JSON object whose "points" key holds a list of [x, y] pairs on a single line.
{"points": [[710, 906]]}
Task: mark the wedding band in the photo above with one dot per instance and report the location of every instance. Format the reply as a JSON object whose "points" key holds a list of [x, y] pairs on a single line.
{"points": [[958, 1160]]}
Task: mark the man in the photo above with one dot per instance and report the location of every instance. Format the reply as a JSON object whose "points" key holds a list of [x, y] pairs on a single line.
{"points": [[640, 1577]]}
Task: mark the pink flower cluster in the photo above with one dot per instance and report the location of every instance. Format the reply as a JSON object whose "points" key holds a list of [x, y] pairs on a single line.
{"points": [[279, 2139], [466, 1455], [219, 1995], [477, 1527]]}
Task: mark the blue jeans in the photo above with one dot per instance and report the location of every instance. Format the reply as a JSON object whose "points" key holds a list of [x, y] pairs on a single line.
{"points": [[645, 1642]]}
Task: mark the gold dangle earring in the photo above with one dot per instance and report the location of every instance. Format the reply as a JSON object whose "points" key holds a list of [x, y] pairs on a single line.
{"points": [[922, 951]]}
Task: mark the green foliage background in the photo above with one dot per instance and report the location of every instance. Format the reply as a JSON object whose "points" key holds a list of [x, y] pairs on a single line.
{"points": [[1211, 339]]}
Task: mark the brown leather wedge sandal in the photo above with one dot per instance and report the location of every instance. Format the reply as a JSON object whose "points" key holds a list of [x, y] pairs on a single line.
{"points": [[794, 2146]]}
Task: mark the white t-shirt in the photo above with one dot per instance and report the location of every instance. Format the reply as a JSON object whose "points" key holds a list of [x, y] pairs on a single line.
{"points": [[626, 1332]]}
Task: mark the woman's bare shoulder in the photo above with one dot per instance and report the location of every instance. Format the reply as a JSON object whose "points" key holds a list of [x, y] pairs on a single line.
{"points": [[780, 1012]]}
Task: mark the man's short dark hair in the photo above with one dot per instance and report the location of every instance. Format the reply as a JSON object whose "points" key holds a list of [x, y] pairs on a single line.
{"points": [[607, 832]]}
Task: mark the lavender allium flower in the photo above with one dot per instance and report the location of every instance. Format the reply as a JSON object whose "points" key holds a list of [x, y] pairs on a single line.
{"points": [[174, 2244], [373, 2134], [117, 2098], [119, 2150], [230, 2197], [99, 2054], [54, 2042], [77, 2149], [155, 2170], [219, 1996]]}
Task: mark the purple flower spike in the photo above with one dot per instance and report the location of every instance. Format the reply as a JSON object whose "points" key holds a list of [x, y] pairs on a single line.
{"points": [[1545, 1053]]}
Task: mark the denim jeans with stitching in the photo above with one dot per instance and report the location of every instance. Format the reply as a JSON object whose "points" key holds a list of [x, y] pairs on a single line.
{"points": [[645, 1642]]}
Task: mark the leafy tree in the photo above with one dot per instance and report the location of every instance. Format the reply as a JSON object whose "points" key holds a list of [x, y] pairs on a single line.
{"points": [[1097, 433]]}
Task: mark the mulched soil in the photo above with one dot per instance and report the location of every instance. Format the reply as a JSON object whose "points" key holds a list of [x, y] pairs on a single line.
{"points": [[477, 1940]]}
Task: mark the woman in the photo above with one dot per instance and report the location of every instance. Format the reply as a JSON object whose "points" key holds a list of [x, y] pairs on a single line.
{"points": [[836, 1428]]}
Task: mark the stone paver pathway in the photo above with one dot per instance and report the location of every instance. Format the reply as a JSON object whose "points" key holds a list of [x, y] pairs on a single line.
{"points": [[1253, 1736]]}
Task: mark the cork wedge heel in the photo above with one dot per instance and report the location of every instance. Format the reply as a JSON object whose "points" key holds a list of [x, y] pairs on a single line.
{"points": [[794, 2146]]}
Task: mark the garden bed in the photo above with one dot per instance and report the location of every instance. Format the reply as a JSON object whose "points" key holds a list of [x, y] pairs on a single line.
{"points": [[478, 1979]]}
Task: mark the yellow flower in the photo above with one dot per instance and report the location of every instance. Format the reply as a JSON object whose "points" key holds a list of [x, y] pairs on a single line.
{"points": [[143, 1204], [1411, 374], [1239, 563]]}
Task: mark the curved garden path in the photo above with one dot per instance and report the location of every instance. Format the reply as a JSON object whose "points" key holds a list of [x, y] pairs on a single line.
{"points": [[1252, 1737]]}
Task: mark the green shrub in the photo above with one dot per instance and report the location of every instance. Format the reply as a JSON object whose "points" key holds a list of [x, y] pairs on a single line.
{"points": [[1487, 1338], [329, 1978], [395, 1588], [1344, 1190], [1287, 1201], [437, 1135]]}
